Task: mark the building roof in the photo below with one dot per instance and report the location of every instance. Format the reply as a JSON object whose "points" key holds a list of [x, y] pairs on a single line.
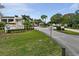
{"points": [[7, 16], [11, 17]]}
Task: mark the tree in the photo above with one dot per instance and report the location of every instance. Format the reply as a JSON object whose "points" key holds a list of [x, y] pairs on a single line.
{"points": [[38, 21], [77, 16], [68, 19], [49, 23], [71, 19], [2, 24], [27, 21], [77, 12], [76, 21], [43, 17], [16, 15], [56, 18], [26, 18]]}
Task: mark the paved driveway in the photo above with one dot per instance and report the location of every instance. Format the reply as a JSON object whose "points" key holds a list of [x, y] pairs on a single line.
{"points": [[70, 42]]}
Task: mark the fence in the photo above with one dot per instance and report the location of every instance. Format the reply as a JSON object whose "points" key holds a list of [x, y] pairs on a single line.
{"points": [[14, 29]]}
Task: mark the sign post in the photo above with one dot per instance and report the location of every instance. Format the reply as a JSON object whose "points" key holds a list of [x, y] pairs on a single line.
{"points": [[50, 31], [63, 52]]}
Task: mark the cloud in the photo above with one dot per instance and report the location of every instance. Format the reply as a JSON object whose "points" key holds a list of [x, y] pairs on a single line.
{"points": [[70, 9], [74, 6], [1, 6], [16, 8], [59, 11]]}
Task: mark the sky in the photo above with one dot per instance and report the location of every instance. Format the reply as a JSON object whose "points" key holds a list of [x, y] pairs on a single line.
{"points": [[35, 10]]}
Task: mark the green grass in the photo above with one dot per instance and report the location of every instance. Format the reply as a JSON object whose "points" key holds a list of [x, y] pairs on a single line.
{"points": [[70, 32], [28, 44], [1, 31]]}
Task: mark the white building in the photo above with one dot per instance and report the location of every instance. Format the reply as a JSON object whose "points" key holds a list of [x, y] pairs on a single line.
{"points": [[12, 22]]}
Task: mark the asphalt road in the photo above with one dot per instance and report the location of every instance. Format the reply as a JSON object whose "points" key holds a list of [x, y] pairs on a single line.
{"points": [[69, 42]]}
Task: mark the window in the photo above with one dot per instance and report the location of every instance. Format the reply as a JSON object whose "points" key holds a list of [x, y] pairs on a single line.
{"points": [[10, 20], [4, 20]]}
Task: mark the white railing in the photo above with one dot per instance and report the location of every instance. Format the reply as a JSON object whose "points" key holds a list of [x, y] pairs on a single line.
{"points": [[12, 27]]}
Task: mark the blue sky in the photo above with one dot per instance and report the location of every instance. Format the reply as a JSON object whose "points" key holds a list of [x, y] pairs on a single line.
{"points": [[35, 10]]}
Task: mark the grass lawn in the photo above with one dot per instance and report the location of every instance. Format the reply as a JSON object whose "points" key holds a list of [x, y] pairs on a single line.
{"points": [[28, 44], [70, 32], [1, 31]]}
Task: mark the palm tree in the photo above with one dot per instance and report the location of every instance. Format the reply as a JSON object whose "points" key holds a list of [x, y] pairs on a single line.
{"points": [[38, 21], [27, 21], [26, 18], [43, 17]]}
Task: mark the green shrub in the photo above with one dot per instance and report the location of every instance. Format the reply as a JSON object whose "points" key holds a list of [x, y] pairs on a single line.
{"points": [[2, 24], [15, 30], [58, 27]]}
